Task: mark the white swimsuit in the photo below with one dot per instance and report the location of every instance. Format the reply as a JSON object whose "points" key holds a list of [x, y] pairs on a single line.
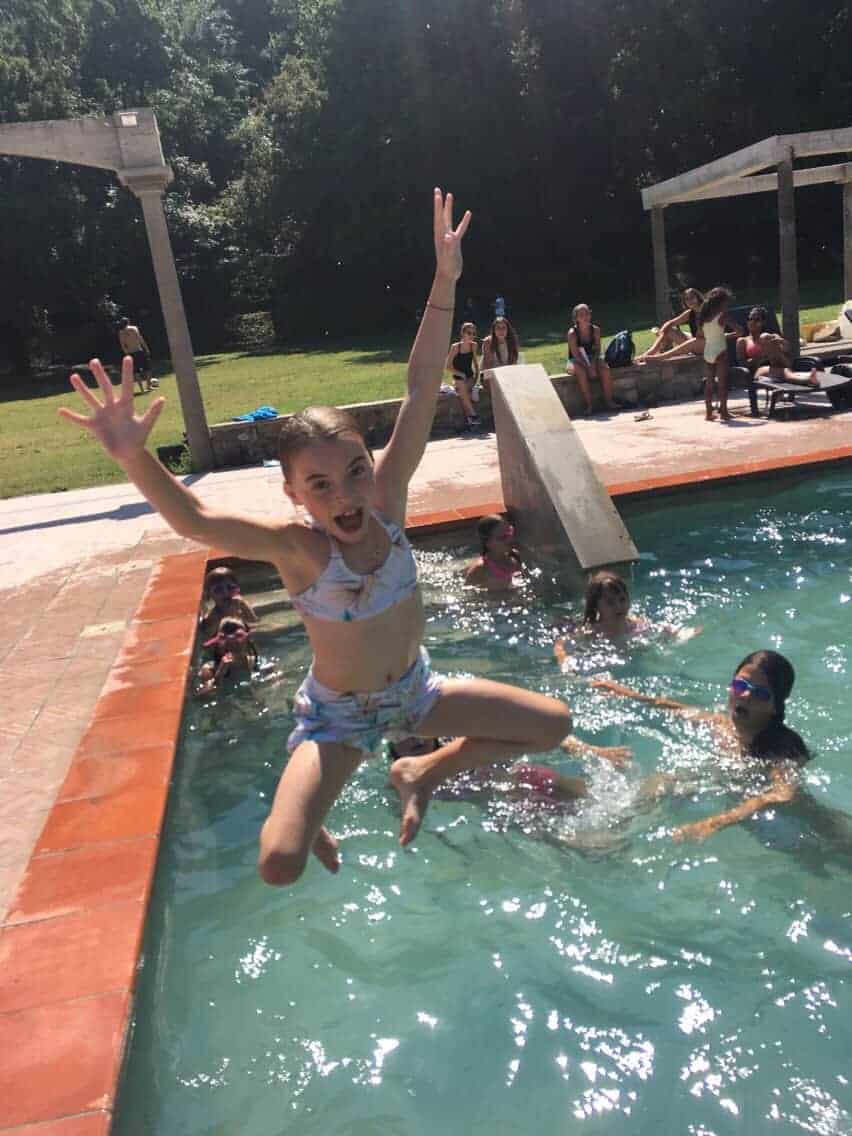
{"points": [[715, 343]]}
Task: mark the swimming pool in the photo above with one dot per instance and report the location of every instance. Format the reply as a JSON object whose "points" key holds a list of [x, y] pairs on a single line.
{"points": [[519, 971]]}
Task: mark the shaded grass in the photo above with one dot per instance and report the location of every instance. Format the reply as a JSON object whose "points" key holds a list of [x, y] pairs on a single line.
{"points": [[40, 453]]}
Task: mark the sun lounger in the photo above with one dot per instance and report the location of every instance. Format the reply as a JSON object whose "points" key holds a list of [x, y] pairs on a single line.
{"points": [[836, 387]]}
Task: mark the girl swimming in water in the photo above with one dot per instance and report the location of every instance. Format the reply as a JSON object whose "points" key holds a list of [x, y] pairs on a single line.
{"points": [[498, 563], [607, 615], [752, 731], [352, 576]]}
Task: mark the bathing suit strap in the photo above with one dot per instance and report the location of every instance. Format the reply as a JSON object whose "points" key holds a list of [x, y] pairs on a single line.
{"points": [[499, 570]]}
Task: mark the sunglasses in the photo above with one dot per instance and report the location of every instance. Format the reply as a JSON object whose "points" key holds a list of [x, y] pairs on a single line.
{"points": [[239, 634], [743, 686], [223, 586]]}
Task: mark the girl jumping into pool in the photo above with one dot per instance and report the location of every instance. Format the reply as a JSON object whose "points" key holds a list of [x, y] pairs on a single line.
{"points": [[752, 731], [352, 576]]}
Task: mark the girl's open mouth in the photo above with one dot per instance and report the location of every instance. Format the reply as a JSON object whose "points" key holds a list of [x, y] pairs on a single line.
{"points": [[351, 521]]}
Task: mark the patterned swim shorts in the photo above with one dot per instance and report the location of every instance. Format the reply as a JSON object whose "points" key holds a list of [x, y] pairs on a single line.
{"points": [[362, 720]]}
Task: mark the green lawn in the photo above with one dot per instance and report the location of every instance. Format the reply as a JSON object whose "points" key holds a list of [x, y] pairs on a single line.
{"points": [[40, 453]]}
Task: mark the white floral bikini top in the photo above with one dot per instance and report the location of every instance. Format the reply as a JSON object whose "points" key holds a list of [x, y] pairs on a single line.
{"points": [[340, 594]]}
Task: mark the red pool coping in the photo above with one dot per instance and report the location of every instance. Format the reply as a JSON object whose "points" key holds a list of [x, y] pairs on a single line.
{"points": [[71, 940]]}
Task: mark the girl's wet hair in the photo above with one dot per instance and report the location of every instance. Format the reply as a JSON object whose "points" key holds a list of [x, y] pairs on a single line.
{"points": [[714, 301], [485, 526], [776, 741], [512, 343], [579, 308], [687, 292], [599, 583], [468, 326], [759, 313], [314, 424]]}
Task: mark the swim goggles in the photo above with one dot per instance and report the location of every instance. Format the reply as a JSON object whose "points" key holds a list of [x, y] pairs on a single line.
{"points": [[743, 686]]}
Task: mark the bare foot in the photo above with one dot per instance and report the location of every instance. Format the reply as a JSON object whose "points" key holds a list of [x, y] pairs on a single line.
{"points": [[724, 416], [813, 378], [413, 797], [709, 416], [326, 850]]}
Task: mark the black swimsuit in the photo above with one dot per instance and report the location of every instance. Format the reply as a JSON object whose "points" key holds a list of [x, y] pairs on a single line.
{"points": [[463, 361], [590, 347]]}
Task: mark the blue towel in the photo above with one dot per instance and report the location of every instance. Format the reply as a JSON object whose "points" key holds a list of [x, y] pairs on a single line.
{"points": [[257, 415]]}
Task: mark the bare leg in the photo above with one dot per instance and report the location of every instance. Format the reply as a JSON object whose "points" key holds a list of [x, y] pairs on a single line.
{"points": [[582, 376], [666, 339], [722, 369], [605, 376], [310, 784], [464, 398], [709, 377], [503, 722], [693, 346]]}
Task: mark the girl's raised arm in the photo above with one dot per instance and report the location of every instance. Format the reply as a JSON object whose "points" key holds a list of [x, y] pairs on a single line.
{"points": [[426, 362], [123, 435]]}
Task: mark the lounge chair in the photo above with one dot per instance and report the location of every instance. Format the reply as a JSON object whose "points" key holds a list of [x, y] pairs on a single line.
{"points": [[836, 386]]}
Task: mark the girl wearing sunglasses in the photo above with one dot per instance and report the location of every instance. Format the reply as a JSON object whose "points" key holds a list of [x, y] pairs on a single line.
{"points": [[234, 655], [753, 728], [222, 592]]}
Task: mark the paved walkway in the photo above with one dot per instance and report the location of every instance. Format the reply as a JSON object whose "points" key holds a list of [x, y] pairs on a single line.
{"points": [[76, 564]]}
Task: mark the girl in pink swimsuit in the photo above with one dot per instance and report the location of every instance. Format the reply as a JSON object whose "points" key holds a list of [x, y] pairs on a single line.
{"points": [[498, 563]]}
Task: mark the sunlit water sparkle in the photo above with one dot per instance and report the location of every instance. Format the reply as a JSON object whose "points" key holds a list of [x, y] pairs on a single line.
{"points": [[525, 969]]}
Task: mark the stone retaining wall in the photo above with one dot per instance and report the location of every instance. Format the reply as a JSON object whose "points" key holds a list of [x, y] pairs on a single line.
{"points": [[250, 443]]}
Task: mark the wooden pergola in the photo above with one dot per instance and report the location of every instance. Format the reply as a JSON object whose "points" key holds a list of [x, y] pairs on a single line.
{"points": [[739, 173]]}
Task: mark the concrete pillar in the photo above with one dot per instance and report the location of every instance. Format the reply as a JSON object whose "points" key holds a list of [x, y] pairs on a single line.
{"points": [[847, 240], [150, 194], [564, 516], [662, 296], [787, 248]]}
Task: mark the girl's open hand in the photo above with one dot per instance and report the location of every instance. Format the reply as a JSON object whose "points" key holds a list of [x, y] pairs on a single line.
{"points": [[121, 432], [448, 256]]}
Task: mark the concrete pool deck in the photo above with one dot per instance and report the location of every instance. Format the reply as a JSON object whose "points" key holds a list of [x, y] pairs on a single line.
{"points": [[100, 620]]}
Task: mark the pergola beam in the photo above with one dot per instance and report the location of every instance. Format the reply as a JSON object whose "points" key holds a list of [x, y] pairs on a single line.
{"points": [[741, 162], [767, 183], [738, 174]]}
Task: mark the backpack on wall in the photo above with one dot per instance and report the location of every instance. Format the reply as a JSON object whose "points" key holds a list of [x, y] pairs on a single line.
{"points": [[620, 349]]}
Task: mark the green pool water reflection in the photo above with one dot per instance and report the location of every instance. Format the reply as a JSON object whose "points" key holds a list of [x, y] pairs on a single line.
{"points": [[520, 971]]}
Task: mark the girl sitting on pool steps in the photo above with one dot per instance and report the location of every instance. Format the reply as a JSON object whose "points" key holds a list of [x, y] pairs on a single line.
{"points": [[352, 575]]}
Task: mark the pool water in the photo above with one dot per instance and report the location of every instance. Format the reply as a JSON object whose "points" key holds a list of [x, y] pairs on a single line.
{"points": [[525, 970]]}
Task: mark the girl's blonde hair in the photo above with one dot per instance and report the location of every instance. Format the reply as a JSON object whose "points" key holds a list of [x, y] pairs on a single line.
{"points": [[579, 308], [468, 326]]}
